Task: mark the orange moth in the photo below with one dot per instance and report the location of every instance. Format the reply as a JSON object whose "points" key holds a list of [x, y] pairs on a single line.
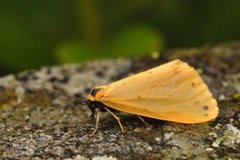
{"points": [[173, 91]]}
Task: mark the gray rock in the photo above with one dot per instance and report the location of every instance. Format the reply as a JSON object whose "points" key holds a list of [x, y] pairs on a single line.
{"points": [[35, 124]]}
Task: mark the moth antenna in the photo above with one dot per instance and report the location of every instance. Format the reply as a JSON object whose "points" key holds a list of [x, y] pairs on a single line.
{"points": [[65, 95]]}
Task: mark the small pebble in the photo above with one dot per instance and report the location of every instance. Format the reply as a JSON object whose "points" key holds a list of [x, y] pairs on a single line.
{"points": [[158, 139], [214, 156], [27, 128], [138, 143], [215, 145], [209, 149], [167, 136], [221, 97], [27, 118], [149, 148], [212, 134]]}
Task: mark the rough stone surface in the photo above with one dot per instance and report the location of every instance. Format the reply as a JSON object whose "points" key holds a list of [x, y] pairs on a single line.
{"points": [[35, 124]]}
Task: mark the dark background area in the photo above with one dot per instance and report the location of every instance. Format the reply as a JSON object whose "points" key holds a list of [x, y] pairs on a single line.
{"points": [[38, 33]]}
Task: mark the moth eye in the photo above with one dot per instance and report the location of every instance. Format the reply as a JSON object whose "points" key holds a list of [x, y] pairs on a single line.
{"points": [[95, 91]]}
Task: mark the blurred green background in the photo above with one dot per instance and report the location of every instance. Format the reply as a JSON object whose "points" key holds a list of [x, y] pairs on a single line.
{"points": [[37, 33]]}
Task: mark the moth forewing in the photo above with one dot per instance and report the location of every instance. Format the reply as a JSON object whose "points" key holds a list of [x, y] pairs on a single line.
{"points": [[173, 91]]}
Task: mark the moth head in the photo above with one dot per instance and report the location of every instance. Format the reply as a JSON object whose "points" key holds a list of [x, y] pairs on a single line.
{"points": [[96, 93]]}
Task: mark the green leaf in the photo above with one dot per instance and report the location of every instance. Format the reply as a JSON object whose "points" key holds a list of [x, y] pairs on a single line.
{"points": [[76, 51], [131, 41], [134, 41]]}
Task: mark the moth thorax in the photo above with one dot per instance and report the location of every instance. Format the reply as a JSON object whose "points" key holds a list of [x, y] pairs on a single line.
{"points": [[95, 94]]}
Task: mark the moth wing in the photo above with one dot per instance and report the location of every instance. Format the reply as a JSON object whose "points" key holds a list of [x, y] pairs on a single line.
{"points": [[173, 91]]}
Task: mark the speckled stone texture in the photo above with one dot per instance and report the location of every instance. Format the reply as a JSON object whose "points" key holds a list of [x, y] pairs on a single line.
{"points": [[35, 124]]}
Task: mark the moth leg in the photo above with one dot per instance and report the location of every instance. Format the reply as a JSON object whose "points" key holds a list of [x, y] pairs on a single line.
{"points": [[91, 117], [147, 124], [117, 119], [96, 124], [92, 112]]}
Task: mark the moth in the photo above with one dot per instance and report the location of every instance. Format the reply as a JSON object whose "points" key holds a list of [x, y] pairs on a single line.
{"points": [[173, 92]]}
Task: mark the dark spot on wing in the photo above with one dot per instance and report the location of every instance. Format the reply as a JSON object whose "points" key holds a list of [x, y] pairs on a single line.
{"points": [[206, 115], [196, 102], [139, 97], [205, 108], [95, 91], [193, 84]]}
